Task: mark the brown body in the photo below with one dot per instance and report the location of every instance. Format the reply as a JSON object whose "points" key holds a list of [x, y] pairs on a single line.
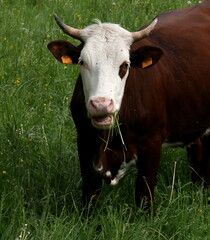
{"points": [[169, 102]]}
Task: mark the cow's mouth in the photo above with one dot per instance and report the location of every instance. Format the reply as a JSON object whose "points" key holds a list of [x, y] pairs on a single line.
{"points": [[103, 121]]}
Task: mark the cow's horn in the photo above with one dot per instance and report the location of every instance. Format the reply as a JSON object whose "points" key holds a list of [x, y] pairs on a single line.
{"points": [[73, 32], [145, 32]]}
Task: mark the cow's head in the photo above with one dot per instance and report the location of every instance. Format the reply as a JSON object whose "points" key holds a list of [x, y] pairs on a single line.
{"points": [[104, 59]]}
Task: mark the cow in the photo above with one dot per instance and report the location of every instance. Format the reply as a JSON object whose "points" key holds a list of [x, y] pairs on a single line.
{"points": [[136, 93]]}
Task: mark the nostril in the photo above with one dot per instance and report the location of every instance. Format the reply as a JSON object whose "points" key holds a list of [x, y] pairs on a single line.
{"points": [[92, 104], [110, 105]]}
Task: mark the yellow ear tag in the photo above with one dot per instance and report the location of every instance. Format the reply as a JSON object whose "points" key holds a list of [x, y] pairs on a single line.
{"points": [[147, 62], [66, 60]]}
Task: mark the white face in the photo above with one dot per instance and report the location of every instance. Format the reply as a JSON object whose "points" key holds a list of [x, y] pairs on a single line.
{"points": [[104, 66]]}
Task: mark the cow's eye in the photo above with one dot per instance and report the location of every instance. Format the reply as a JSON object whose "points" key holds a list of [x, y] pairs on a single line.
{"points": [[125, 65], [123, 69], [80, 61]]}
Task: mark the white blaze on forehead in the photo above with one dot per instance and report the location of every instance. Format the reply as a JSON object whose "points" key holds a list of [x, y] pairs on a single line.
{"points": [[106, 32], [106, 48]]}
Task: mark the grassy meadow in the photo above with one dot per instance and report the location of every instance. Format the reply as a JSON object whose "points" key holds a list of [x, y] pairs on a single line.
{"points": [[40, 183]]}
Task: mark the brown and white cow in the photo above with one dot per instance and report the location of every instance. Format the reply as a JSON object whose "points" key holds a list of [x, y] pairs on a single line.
{"points": [[153, 85]]}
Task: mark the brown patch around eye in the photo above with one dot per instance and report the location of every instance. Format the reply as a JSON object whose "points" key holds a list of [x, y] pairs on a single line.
{"points": [[123, 69]]}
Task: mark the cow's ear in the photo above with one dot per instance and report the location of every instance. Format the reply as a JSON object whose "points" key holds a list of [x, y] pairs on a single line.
{"points": [[64, 51], [145, 56]]}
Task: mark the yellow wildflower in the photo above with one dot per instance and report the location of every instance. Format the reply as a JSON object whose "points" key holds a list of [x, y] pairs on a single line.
{"points": [[17, 82]]}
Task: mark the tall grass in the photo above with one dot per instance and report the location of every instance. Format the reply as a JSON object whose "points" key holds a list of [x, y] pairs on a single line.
{"points": [[40, 183]]}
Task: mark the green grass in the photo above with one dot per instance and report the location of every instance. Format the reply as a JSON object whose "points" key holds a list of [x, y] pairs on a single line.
{"points": [[40, 183]]}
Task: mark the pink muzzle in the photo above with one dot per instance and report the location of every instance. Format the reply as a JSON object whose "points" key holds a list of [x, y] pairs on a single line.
{"points": [[101, 112]]}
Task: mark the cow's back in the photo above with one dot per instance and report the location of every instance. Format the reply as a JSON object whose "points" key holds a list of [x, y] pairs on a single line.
{"points": [[176, 91]]}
